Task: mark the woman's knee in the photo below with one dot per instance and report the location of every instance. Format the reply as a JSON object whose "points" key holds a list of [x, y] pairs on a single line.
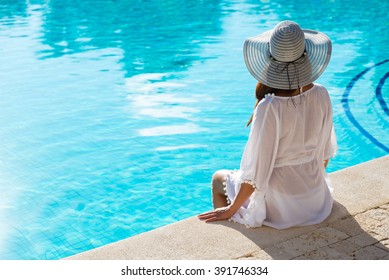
{"points": [[217, 176], [219, 180]]}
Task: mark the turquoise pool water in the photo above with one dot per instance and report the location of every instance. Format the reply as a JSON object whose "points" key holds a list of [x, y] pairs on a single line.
{"points": [[115, 114]]}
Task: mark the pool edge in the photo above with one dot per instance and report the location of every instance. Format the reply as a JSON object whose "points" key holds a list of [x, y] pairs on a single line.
{"points": [[361, 194]]}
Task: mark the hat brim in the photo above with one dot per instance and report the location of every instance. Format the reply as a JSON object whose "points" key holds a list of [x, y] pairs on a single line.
{"points": [[281, 75]]}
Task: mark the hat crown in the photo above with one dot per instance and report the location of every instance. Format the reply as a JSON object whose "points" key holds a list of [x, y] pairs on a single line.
{"points": [[287, 42]]}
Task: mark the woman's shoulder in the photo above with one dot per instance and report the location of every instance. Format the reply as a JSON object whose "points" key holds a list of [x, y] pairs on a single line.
{"points": [[267, 101], [320, 96], [266, 105], [320, 91], [320, 88]]}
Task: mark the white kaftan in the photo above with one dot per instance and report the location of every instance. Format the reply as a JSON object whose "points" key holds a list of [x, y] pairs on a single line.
{"points": [[284, 161]]}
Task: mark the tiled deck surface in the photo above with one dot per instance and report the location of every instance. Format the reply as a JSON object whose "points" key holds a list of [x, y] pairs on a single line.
{"points": [[358, 228], [363, 236]]}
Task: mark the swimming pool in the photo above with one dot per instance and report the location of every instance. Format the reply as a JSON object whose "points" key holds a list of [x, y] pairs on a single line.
{"points": [[115, 114]]}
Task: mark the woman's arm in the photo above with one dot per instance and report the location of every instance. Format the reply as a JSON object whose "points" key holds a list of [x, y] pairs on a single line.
{"points": [[225, 213], [257, 162]]}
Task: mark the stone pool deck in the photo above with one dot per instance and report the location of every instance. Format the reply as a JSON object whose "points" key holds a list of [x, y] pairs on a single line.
{"points": [[358, 228]]}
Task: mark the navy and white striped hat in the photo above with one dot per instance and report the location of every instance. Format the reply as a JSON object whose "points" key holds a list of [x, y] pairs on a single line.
{"points": [[287, 57]]}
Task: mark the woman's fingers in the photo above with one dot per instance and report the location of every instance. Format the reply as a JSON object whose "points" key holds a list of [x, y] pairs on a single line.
{"points": [[210, 217], [207, 215], [215, 215]]}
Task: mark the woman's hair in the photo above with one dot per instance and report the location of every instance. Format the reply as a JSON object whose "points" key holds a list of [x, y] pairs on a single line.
{"points": [[261, 90]]}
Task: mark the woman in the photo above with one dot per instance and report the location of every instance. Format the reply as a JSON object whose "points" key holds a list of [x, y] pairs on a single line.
{"points": [[282, 180]]}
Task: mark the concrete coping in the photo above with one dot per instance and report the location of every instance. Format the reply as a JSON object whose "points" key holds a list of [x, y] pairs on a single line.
{"points": [[357, 189]]}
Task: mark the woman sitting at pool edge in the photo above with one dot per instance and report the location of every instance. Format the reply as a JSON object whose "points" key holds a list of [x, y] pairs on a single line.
{"points": [[282, 180]]}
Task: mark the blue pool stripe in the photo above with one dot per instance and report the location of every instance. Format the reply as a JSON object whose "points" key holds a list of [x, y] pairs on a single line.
{"points": [[351, 117], [378, 93]]}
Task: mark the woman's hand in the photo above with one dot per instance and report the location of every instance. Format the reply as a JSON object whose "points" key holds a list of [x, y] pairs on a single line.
{"points": [[217, 214], [224, 213]]}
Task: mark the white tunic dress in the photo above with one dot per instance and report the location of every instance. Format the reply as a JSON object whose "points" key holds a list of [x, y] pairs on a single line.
{"points": [[284, 161]]}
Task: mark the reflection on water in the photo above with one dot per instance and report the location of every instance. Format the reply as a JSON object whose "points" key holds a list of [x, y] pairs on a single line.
{"points": [[91, 135], [149, 83], [188, 128], [182, 147], [151, 96], [10, 10], [144, 30]]}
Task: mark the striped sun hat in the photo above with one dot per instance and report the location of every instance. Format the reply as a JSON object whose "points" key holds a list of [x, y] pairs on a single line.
{"points": [[287, 57]]}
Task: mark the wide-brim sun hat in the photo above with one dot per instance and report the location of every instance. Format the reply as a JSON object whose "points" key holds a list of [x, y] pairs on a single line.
{"points": [[287, 57]]}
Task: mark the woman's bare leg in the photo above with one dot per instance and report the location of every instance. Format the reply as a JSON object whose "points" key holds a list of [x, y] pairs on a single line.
{"points": [[219, 198]]}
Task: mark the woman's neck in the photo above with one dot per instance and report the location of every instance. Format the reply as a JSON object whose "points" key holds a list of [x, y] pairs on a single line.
{"points": [[293, 92]]}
